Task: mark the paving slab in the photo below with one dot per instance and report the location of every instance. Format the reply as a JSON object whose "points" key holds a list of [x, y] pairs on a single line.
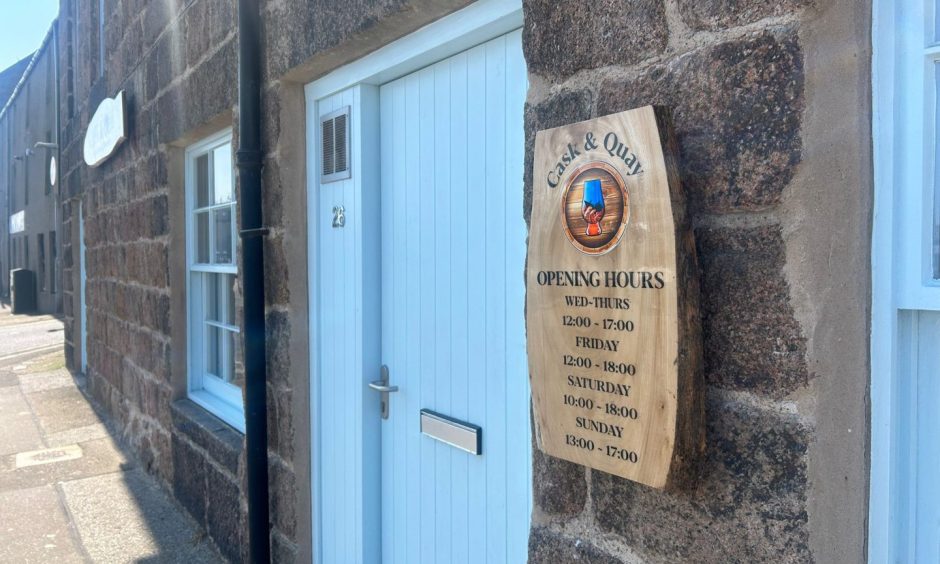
{"points": [[125, 517], [100, 456], [78, 435], [61, 409], [46, 362], [32, 382], [68, 491], [10, 391], [18, 428], [35, 528]]}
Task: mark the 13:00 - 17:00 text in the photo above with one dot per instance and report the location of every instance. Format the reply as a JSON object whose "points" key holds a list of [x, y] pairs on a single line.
{"points": [[611, 451]]}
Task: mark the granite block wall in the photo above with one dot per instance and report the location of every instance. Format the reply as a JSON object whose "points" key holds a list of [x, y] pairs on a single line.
{"points": [[174, 61]]}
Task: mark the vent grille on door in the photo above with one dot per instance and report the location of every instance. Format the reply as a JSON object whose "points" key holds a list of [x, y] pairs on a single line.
{"points": [[334, 144]]}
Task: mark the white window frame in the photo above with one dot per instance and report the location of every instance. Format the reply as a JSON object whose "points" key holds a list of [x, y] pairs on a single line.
{"points": [[222, 399], [905, 54]]}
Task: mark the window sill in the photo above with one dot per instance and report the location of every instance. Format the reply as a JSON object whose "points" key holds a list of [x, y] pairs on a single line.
{"points": [[223, 443], [225, 411]]}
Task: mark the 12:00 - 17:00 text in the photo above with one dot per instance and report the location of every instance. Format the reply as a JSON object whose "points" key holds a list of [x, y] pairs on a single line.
{"points": [[607, 324]]}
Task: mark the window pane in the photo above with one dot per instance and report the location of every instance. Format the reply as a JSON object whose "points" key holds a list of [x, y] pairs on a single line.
{"points": [[936, 180], [214, 350], [936, 22], [202, 237], [229, 282], [222, 222], [222, 166], [203, 192], [229, 356], [220, 353], [213, 300], [238, 370], [220, 302]]}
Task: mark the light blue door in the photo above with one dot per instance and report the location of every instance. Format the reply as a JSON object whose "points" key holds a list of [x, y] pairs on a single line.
{"points": [[453, 244], [418, 265]]}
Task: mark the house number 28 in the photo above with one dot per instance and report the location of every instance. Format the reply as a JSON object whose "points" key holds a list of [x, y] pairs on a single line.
{"points": [[339, 216]]}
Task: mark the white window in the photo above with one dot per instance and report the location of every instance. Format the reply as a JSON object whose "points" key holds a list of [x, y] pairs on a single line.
{"points": [[216, 377], [904, 509]]}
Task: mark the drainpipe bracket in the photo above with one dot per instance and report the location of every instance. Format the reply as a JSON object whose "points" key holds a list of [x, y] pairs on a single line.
{"points": [[250, 233], [248, 158]]}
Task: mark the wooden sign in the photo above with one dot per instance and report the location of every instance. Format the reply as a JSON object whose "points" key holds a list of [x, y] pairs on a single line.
{"points": [[614, 335]]}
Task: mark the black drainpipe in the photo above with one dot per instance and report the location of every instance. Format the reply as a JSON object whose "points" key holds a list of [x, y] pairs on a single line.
{"points": [[248, 159]]}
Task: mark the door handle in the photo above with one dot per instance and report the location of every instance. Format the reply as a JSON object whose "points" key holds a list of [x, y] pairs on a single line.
{"points": [[383, 388]]}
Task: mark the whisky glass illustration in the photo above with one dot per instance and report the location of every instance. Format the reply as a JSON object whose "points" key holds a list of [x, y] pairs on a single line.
{"points": [[592, 208]]}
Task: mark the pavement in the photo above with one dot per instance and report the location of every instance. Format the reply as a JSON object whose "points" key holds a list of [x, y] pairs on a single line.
{"points": [[69, 490]]}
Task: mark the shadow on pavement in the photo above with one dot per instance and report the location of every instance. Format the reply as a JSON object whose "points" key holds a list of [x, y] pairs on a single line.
{"points": [[70, 487]]}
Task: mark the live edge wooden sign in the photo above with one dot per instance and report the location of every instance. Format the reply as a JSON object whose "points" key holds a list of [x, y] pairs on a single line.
{"points": [[614, 335]]}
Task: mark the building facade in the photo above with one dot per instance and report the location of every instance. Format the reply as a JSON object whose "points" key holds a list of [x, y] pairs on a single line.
{"points": [[29, 145], [397, 142]]}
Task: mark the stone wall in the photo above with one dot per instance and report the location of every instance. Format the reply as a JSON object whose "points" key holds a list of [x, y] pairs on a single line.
{"points": [[176, 63], [753, 112]]}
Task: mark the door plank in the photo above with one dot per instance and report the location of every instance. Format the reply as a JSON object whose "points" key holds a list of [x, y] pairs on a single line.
{"points": [[460, 303], [426, 292], [477, 531], [494, 212], [442, 216]]}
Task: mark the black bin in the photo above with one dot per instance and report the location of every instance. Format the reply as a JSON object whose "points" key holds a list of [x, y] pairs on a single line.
{"points": [[23, 290]]}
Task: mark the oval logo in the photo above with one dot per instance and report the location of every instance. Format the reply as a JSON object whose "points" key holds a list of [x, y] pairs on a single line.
{"points": [[595, 208]]}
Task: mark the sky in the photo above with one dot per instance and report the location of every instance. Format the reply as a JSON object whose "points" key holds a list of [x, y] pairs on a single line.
{"points": [[23, 26]]}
